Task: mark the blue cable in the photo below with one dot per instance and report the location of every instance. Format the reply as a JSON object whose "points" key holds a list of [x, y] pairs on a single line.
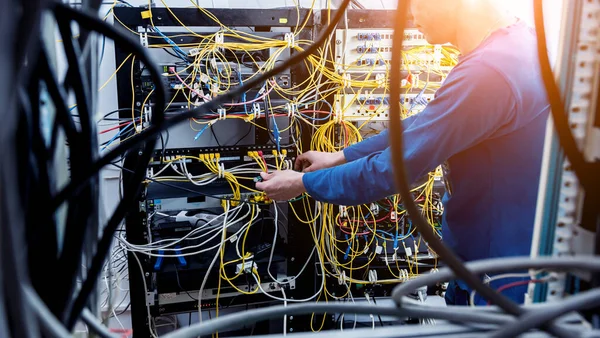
{"points": [[116, 136], [176, 48], [276, 134], [201, 132], [348, 249], [244, 94]]}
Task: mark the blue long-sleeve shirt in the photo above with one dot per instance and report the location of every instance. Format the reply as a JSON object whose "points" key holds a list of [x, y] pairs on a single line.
{"points": [[487, 122]]}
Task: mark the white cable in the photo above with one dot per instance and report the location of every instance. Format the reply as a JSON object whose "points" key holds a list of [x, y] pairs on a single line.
{"points": [[212, 263], [150, 321], [370, 315], [284, 316], [276, 217], [497, 277], [151, 247], [111, 307]]}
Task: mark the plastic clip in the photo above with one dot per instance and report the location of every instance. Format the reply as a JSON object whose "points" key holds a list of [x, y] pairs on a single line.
{"points": [[290, 39]]}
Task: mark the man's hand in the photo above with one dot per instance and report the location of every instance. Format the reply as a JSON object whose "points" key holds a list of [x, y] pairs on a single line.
{"points": [[282, 185], [315, 160]]}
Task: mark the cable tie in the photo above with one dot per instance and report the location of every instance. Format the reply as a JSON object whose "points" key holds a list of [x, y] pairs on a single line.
{"points": [[290, 39], [256, 110]]}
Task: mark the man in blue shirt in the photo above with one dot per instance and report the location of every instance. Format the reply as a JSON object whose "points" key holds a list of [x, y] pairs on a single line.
{"points": [[487, 122]]}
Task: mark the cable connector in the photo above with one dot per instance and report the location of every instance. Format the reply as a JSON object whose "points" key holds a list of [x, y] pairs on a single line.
{"points": [[144, 39], [404, 275], [245, 267], [343, 210], [291, 109], [342, 278], [380, 79], [347, 80], [214, 90], [290, 39], [378, 248], [221, 173], [222, 114], [374, 209], [437, 55], [219, 40], [373, 276]]}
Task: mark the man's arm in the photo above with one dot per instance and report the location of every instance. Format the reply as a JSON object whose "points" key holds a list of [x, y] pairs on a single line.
{"points": [[474, 104]]}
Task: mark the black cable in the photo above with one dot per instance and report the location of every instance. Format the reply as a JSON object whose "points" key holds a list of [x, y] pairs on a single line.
{"points": [[250, 128], [182, 115], [210, 126], [95, 325], [92, 23], [81, 216], [587, 173], [583, 301], [240, 319], [378, 316], [396, 143], [179, 283]]}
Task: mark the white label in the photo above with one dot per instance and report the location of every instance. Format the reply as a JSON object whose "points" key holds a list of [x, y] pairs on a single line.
{"points": [[378, 250], [204, 78], [408, 252], [233, 238]]}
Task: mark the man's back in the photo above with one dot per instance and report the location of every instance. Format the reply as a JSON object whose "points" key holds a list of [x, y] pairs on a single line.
{"points": [[495, 183]]}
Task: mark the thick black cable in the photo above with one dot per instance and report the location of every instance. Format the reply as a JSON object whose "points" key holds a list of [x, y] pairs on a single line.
{"points": [[400, 175], [248, 317], [134, 183], [51, 326], [95, 325], [81, 215], [587, 173], [499, 265], [579, 302], [182, 115]]}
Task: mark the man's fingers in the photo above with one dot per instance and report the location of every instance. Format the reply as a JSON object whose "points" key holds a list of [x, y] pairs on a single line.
{"points": [[299, 164], [266, 176], [302, 161], [308, 169], [261, 185]]}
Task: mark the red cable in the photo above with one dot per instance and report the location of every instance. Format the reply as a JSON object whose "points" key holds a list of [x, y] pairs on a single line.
{"points": [[115, 127], [518, 283], [316, 111], [260, 154]]}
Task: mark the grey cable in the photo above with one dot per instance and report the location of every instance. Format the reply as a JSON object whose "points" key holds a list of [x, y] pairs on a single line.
{"points": [[247, 317], [582, 301], [496, 265], [95, 325], [47, 320]]}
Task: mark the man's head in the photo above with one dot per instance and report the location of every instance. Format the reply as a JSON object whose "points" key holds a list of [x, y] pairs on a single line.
{"points": [[443, 21], [436, 19]]}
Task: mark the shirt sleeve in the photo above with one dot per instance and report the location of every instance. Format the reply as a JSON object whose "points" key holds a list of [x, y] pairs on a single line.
{"points": [[474, 104], [372, 144]]}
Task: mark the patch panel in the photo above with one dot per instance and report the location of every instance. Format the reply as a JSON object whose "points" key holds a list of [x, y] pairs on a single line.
{"points": [[370, 62], [368, 36], [355, 49], [375, 107]]}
